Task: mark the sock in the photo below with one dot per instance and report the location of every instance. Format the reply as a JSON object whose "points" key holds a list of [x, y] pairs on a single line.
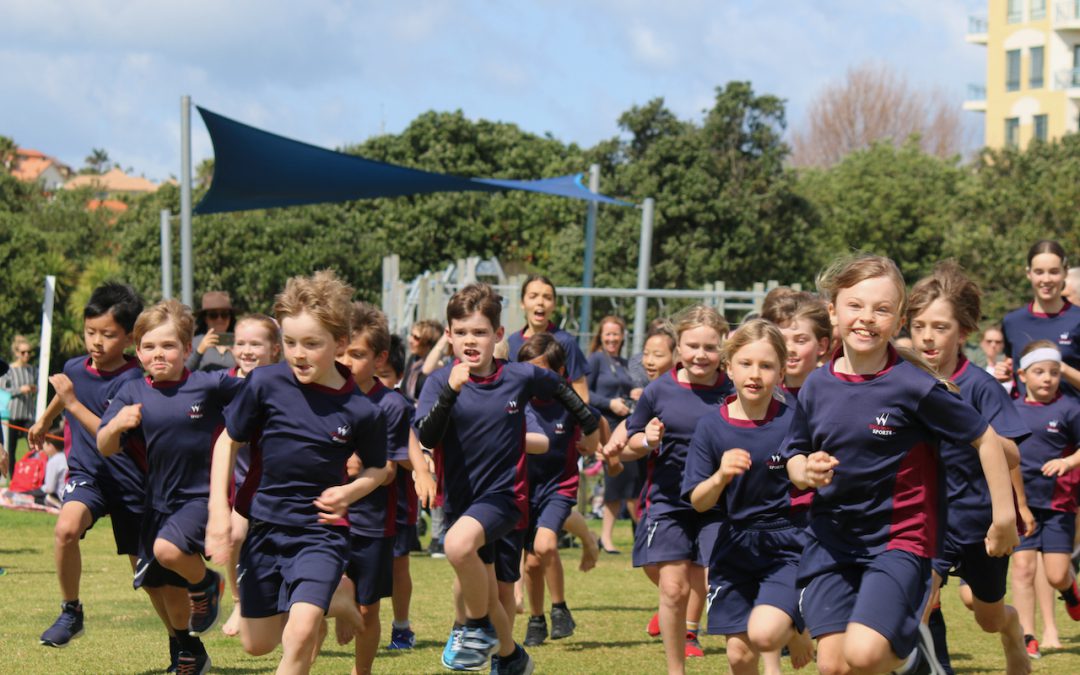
{"points": [[940, 635], [558, 605], [404, 625], [204, 584], [174, 647], [188, 643], [692, 627], [482, 622], [74, 605], [1069, 595]]}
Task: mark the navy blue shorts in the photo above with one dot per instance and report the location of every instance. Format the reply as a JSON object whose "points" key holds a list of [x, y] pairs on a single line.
{"points": [[184, 528], [886, 593], [508, 557], [102, 501], [754, 565], [406, 540], [549, 513], [986, 575], [281, 565], [670, 537], [1054, 534], [371, 567], [498, 514]]}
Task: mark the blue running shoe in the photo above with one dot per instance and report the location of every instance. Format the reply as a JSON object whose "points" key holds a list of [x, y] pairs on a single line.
{"points": [[205, 603], [453, 644], [477, 646], [67, 627], [402, 638]]}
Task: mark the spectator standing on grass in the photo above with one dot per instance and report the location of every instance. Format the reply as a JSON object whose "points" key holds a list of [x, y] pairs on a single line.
{"points": [[209, 350], [20, 383], [422, 337]]}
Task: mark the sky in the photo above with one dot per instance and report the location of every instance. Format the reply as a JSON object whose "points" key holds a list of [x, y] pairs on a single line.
{"points": [[110, 73]]}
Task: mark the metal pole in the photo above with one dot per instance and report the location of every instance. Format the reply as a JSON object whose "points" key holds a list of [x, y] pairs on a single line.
{"points": [[166, 254], [187, 284], [585, 317], [45, 352], [644, 261]]}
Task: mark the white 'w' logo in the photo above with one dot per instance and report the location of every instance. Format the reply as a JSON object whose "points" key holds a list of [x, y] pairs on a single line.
{"points": [[882, 419]]}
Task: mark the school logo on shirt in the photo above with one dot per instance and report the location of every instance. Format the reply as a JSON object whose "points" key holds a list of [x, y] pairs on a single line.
{"points": [[1052, 426], [775, 462], [1064, 339], [560, 429], [881, 426], [512, 407], [342, 435], [195, 411]]}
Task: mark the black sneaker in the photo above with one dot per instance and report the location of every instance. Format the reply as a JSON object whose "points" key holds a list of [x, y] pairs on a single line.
{"points": [[436, 549], [537, 631], [192, 664], [518, 663], [562, 623], [67, 627], [205, 603]]}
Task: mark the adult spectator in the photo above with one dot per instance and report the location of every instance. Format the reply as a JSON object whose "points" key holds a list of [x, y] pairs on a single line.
{"points": [[19, 382], [422, 337], [214, 322]]}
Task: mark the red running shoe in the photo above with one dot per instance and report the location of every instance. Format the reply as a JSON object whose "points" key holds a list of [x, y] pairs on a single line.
{"points": [[653, 628], [1073, 608], [1032, 646], [693, 647]]}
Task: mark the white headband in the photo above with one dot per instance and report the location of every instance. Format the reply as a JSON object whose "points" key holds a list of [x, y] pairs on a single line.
{"points": [[1040, 354]]}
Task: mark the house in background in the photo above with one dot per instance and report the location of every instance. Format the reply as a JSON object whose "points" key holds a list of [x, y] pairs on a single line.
{"points": [[112, 183], [34, 166]]}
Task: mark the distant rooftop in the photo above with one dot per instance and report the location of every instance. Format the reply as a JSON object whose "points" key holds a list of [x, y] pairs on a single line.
{"points": [[112, 181]]}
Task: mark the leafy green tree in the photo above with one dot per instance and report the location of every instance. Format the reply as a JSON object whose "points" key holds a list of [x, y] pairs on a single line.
{"points": [[96, 162]]}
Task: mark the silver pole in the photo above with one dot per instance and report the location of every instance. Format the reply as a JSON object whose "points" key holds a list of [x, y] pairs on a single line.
{"points": [[45, 352], [644, 261], [166, 254], [187, 284], [585, 317]]}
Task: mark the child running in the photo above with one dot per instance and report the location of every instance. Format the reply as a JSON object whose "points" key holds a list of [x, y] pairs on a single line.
{"points": [[943, 310], [1048, 461], [304, 417], [865, 433], [175, 415], [733, 462], [672, 538], [472, 414]]}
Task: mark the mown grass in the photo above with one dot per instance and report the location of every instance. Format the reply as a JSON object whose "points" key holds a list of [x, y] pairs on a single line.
{"points": [[611, 605]]}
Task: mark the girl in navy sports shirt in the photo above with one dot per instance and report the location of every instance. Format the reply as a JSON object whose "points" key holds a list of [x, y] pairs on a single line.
{"points": [[671, 536], [864, 434], [1049, 460], [733, 466], [308, 417], [943, 310]]}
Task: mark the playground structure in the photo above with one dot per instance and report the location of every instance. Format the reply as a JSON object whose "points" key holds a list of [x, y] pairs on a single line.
{"points": [[425, 297]]}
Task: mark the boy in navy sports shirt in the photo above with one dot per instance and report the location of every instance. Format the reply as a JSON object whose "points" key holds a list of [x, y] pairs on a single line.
{"points": [[305, 417], [174, 414], [472, 414], [95, 486]]}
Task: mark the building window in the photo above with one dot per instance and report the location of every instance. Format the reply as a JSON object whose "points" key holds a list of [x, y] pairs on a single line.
{"points": [[1040, 127], [1012, 70], [1038, 10], [1035, 77], [1014, 11], [1012, 132]]}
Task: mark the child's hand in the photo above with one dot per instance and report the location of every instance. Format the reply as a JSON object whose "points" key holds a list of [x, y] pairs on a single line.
{"points": [[333, 504], [619, 407], [425, 489], [129, 417], [459, 375], [35, 436], [64, 389], [1027, 519], [735, 462], [1003, 370], [819, 468], [654, 433], [1056, 467], [613, 464], [219, 539], [611, 450], [591, 443], [1001, 540]]}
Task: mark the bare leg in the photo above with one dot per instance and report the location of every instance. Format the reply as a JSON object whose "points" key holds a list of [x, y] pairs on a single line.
{"points": [[590, 550], [674, 593], [1047, 599], [367, 640], [1024, 570], [300, 638], [607, 530], [239, 532], [73, 521]]}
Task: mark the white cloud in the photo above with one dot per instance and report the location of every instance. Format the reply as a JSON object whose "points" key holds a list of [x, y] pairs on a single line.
{"points": [[649, 48]]}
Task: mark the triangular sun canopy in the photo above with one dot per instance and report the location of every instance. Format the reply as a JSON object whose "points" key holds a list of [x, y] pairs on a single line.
{"points": [[255, 169]]}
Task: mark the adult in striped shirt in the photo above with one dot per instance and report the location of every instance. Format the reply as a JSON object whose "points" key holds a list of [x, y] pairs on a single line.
{"points": [[20, 383]]}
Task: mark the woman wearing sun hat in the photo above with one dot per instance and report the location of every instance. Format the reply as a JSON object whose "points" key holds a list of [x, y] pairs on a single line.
{"points": [[214, 318]]}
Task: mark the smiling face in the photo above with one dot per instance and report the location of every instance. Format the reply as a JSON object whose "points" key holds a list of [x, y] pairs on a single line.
{"points": [[538, 301], [1042, 380], [105, 341], [253, 347], [311, 350], [657, 356], [473, 340], [867, 316], [362, 362], [162, 353], [936, 334], [804, 349], [755, 370], [1047, 276], [699, 352], [611, 338]]}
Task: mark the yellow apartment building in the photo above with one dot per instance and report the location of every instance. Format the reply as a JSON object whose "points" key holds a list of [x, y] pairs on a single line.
{"points": [[1032, 87]]}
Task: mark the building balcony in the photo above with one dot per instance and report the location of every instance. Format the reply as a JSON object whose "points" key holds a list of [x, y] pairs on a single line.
{"points": [[1067, 15], [978, 30], [976, 98], [1068, 79]]}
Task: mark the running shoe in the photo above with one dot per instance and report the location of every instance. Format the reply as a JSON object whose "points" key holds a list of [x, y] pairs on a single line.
{"points": [[192, 664], [1032, 646], [536, 632], [205, 603], [477, 646], [653, 628], [453, 644], [1072, 601], [693, 646], [402, 638], [562, 623], [67, 627]]}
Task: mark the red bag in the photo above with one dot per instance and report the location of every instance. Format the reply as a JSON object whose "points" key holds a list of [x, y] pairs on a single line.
{"points": [[29, 472]]}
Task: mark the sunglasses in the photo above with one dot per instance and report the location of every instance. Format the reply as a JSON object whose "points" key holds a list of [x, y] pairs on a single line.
{"points": [[218, 314], [23, 351]]}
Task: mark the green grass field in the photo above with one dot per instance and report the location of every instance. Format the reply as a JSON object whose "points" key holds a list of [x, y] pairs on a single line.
{"points": [[611, 605]]}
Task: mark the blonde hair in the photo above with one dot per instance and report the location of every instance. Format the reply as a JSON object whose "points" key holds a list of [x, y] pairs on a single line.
{"points": [[166, 311], [851, 270], [19, 340], [699, 315], [324, 296], [273, 331], [752, 331]]}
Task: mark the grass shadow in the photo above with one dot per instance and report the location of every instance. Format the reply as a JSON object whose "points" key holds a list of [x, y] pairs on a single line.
{"points": [[17, 551], [606, 608]]}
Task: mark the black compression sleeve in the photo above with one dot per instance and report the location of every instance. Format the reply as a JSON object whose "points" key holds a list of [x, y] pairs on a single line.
{"points": [[573, 403], [432, 427]]}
